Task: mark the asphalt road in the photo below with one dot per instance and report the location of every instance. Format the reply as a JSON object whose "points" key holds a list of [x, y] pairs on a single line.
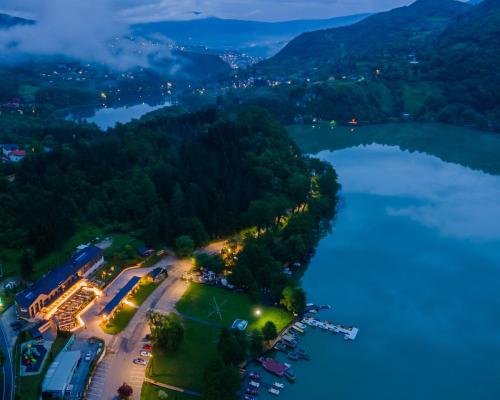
{"points": [[8, 371], [118, 366]]}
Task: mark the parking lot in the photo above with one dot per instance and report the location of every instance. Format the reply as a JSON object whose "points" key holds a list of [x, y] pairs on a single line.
{"points": [[86, 347]]}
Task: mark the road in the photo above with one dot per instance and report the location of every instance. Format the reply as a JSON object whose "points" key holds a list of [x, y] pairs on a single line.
{"points": [[118, 367], [8, 373]]}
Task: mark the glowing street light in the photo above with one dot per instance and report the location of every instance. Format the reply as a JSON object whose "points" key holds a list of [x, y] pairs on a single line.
{"points": [[258, 312]]}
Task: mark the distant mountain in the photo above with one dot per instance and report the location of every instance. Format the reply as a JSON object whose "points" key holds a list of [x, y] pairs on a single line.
{"points": [[401, 30], [475, 2], [8, 21], [258, 38]]}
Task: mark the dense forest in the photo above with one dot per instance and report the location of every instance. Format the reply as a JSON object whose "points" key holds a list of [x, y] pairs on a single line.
{"points": [[167, 175]]}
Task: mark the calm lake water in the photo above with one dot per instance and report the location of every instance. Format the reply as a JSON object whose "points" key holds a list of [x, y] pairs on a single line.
{"points": [[106, 118], [413, 261]]}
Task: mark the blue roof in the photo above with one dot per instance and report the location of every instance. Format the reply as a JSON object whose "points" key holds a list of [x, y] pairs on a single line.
{"points": [[54, 278], [124, 291]]}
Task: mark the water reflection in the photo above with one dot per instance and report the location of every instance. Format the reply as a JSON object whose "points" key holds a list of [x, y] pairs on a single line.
{"points": [[451, 198], [106, 118]]}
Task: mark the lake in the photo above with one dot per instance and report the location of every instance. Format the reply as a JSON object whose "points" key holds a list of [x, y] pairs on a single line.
{"points": [[108, 117], [413, 260]]}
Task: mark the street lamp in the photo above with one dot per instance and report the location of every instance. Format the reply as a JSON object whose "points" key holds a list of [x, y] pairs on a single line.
{"points": [[258, 312]]}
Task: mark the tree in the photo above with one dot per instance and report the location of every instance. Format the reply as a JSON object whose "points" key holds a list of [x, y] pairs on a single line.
{"points": [[294, 299], [222, 381], [27, 262], [233, 346], [184, 246], [167, 330], [256, 341], [295, 247], [269, 331], [212, 262], [125, 391], [260, 213]]}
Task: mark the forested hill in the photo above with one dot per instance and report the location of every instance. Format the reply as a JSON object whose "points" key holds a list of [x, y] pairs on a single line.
{"points": [[166, 175], [257, 38], [401, 30]]}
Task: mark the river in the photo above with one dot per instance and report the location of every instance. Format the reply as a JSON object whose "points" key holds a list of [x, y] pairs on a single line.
{"points": [[413, 260]]}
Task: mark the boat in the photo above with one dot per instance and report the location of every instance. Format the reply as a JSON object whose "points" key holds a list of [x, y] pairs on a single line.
{"points": [[293, 356], [254, 376], [296, 328], [280, 346], [290, 341], [252, 392], [249, 397], [274, 391], [273, 366], [300, 325], [290, 375], [278, 385], [254, 384], [303, 354]]}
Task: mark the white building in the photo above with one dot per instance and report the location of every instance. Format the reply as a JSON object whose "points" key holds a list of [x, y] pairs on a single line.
{"points": [[58, 377]]}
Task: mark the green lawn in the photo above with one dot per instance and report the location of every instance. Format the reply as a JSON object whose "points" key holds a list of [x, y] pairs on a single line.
{"points": [[120, 320], [185, 367], [30, 387], [150, 392], [145, 289], [198, 301]]}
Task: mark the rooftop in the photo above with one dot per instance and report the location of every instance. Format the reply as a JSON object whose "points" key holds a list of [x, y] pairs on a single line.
{"points": [[54, 278], [124, 291], [60, 372]]}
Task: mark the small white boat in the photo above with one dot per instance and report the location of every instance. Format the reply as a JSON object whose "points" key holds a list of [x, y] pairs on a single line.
{"points": [[278, 385], [300, 325], [296, 328], [274, 391], [254, 384]]}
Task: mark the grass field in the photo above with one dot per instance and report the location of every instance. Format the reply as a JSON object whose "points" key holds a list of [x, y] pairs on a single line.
{"points": [[150, 392], [145, 289], [198, 301], [120, 320], [185, 367]]}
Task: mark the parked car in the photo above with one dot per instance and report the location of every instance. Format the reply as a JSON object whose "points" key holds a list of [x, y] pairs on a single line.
{"points": [[145, 353], [147, 347], [140, 361], [88, 356]]}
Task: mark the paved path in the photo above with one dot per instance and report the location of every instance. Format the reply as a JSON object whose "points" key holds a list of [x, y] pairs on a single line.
{"points": [[174, 388], [118, 366]]}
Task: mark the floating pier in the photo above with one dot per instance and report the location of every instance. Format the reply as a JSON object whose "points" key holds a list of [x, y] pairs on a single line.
{"points": [[349, 333]]}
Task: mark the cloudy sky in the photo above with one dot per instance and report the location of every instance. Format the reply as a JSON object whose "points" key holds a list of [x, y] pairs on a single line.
{"points": [[266, 10]]}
